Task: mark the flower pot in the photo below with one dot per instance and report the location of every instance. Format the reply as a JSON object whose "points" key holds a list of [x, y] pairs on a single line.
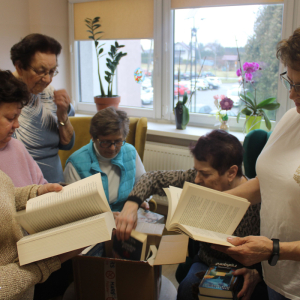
{"points": [[103, 102], [252, 122], [181, 117]]}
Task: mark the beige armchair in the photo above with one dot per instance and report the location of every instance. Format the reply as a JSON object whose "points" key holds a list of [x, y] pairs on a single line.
{"points": [[136, 137]]}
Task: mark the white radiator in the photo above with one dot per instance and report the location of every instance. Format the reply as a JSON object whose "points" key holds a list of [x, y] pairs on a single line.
{"points": [[159, 156]]}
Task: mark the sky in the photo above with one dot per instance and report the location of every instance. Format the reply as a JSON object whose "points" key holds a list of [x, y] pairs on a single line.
{"points": [[221, 24]]}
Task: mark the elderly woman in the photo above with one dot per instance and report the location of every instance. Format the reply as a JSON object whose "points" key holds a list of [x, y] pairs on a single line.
{"points": [[277, 187], [108, 153], [44, 125], [15, 160], [218, 158]]}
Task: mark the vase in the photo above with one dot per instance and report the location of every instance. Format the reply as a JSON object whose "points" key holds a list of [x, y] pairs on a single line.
{"points": [[181, 116], [224, 126], [104, 102], [252, 122]]}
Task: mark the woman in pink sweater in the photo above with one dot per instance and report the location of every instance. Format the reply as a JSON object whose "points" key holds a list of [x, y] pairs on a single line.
{"points": [[15, 161]]}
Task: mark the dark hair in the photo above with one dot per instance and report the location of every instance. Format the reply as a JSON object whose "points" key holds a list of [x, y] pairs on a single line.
{"points": [[12, 90], [109, 121], [221, 149], [23, 51], [288, 50]]}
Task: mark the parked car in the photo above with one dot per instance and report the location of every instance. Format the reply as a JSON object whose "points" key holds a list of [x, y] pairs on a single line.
{"points": [[181, 88], [207, 74], [204, 109], [147, 83], [188, 75], [202, 84], [234, 93], [147, 96], [213, 82]]}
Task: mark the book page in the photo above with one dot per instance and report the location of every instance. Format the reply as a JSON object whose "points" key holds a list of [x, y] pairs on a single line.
{"points": [[206, 236], [85, 188], [150, 228], [71, 204], [173, 195], [208, 209]]}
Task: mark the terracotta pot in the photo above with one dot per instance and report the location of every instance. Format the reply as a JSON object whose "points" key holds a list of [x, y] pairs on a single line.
{"points": [[103, 102]]}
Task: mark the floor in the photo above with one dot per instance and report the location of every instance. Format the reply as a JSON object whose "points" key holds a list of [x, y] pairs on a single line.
{"points": [[169, 272]]}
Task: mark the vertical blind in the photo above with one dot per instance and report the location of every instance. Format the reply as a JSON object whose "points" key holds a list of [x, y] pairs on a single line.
{"points": [[119, 19]]}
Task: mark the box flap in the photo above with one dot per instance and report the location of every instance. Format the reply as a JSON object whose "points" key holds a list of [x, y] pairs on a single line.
{"points": [[172, 249]]}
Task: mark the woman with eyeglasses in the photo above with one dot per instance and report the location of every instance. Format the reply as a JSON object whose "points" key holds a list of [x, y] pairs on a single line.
{"points": [[108, 154], [44, 125], [277, 187]]}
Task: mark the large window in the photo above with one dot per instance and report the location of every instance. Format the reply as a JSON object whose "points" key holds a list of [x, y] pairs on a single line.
{"points": [[186, 40], [133, 80]]}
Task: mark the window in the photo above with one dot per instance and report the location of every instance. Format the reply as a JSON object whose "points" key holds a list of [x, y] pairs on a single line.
{"points": [[133, 80], [185, 40]]}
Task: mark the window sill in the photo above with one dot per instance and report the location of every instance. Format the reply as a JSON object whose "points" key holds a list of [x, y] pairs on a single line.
{"points": [[190, 133]]}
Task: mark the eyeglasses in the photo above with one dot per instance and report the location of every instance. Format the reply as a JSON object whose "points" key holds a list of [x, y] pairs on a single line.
{"points": [[288, 85], [107, 144], [43, 74]]}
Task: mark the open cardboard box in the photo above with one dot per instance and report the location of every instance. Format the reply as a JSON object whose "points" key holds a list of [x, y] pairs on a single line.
{"points": [[117, 279]]}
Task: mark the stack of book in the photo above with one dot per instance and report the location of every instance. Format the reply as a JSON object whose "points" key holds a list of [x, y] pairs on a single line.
{"points": [[219, 283]]}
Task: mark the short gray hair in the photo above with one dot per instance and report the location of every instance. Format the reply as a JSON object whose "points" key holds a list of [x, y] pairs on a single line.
{"points": [[109, 121]]}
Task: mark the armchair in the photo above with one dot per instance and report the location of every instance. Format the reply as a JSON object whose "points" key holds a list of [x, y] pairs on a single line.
{"points": [[136, 137]]}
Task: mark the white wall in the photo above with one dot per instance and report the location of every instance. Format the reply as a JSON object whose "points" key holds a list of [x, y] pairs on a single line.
{"points": [[21, 17]]}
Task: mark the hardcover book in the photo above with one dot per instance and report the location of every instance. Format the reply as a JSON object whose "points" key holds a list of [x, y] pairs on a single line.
{"points": [[74, 218], [204, 214], [219, 282], [132, 249]]}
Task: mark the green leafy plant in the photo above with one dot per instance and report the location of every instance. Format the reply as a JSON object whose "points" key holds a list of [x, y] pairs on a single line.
{"points": [[115, 56], [183, 110], [251, 106]]}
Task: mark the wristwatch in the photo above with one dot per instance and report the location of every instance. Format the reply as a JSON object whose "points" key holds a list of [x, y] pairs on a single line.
{"points": [[275, 253], [63, 123]]}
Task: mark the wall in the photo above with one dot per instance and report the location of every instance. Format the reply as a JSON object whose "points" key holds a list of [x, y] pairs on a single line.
{"points": [[21, 17]]}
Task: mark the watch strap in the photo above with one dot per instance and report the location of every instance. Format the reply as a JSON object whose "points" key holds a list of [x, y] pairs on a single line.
{"points": [[63, 123], [275, 253]]}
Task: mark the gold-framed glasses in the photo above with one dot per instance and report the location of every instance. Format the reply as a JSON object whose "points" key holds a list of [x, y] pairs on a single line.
{"points": [[43, 74], [288, 85], [107, 144]]}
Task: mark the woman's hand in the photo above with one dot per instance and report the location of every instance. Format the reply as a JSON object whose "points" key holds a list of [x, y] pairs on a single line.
{"points": [[145, 205], [251, 279], [249, 250], [126, 220], [62, 101], [48, 187]]}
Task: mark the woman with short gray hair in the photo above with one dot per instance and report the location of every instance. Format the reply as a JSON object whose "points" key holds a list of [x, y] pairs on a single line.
{"points": [[108, 154]]}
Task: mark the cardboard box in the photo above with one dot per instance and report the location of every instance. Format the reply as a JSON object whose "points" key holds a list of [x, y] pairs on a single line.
{"points": [[117, 279]]}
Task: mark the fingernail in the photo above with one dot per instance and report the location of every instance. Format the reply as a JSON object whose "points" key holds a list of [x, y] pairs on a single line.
{"points": [[229, 239]]}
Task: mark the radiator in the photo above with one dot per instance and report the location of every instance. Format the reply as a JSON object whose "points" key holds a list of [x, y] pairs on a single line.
{"points": [[158, 156]]}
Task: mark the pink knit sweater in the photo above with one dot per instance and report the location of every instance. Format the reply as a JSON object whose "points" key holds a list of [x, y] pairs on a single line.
{"points": [[17, 163]]}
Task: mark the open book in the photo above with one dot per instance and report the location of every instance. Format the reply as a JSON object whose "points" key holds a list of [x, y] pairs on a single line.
{"points": [[76, 217], [204, 214]]}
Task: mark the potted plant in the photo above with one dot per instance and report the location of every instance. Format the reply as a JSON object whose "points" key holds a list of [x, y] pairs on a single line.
{"points": [[252, 109], [223, 106], [105, 99], [182, 115]]}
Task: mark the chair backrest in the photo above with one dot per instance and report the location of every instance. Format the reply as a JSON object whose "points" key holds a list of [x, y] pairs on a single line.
{"points": [[136, 137], [253, 144]]}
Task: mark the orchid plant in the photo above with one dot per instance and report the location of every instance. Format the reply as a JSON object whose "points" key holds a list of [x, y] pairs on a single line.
{"points": [[223, 106], [251, 106]]}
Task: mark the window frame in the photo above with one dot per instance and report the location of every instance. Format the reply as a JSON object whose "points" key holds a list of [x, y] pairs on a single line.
{"points": [[163, 68]]}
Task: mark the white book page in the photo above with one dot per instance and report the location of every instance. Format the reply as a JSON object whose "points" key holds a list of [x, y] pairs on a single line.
{"points": [[85, 188], [173, 195], [207, 236], [75, 202], [150, 228], [209, 209]]}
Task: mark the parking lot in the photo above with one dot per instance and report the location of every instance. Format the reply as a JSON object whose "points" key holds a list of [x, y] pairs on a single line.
{"points": [[203, 101]]}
